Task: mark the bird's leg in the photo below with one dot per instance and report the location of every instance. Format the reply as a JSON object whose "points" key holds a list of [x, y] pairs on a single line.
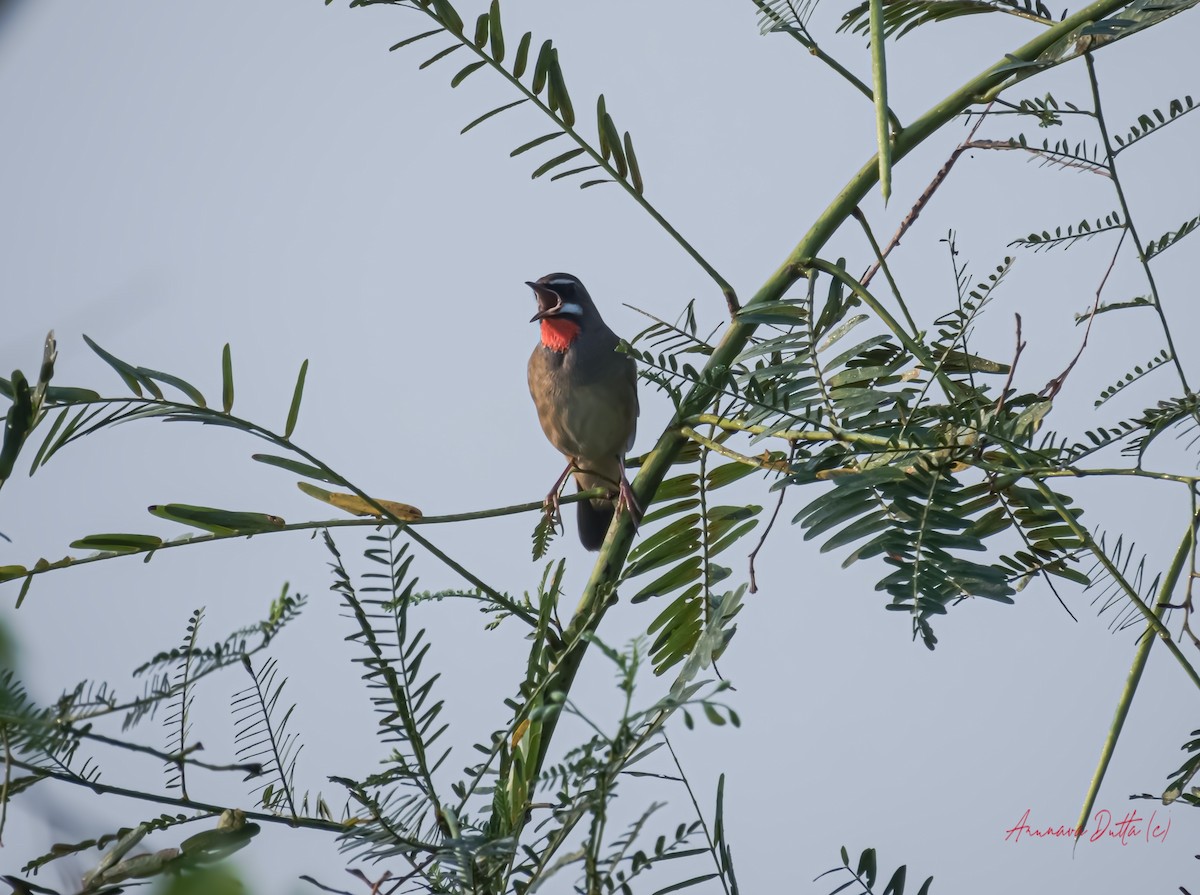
{"points": [[550, 504], [627, 499]]}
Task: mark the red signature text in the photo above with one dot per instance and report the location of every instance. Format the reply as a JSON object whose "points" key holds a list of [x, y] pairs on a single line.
{"points": [[1132, 827]]}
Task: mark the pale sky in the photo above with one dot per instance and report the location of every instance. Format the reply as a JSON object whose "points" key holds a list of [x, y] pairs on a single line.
{"points": [[173, 177]]}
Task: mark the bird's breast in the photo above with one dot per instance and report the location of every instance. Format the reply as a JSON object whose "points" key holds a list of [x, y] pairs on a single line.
{"points": [[587, 414]]}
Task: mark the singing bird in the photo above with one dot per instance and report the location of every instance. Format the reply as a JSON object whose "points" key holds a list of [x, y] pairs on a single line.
{"points": [[586, 398]]}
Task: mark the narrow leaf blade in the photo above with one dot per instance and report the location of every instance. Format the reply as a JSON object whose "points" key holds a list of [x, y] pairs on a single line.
{"points": [[226, 379], [297, 395]]}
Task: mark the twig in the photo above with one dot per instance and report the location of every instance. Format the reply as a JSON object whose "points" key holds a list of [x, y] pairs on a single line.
{"points": [[1050, 157], [1012, 368], [1154, 631], [763, 462], [252, 769], [1129, 226], [500, 599], [887, 271], [1054, 386], [1188, 606], [805, 39], [316, 525], [7, 781], [771, 524], [712, 849], [833, 434], [1074, 472], [311, 823], [923, 199], [355, 872], [323, 887]]}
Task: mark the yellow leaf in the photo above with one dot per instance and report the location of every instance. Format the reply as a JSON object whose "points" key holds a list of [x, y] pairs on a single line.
{"points": [[355, 505], [519, 732]]}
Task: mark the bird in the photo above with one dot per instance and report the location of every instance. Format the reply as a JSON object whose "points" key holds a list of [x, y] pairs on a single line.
{"points": [[586, 398]]}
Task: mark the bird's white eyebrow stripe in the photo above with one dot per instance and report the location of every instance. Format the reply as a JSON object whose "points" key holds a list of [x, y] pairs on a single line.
{"points": [[572, 308], [563, 281]]}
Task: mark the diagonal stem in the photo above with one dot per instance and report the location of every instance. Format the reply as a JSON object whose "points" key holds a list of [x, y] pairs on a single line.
{"points": [[802, 37], [1129, 226], [1135, 672]]}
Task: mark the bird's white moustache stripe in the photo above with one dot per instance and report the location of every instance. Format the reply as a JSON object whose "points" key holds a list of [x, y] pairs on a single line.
{"points": [[571, 308]]}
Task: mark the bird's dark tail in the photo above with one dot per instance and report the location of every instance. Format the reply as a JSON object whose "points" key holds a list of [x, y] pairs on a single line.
{"points": [[594, 518]]}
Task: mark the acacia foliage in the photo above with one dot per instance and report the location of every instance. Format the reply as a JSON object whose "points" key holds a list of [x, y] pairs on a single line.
{"points": [[913, 453]]}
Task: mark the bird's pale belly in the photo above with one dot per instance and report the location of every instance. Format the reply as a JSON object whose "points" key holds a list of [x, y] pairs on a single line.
{"points": [[588, 427]]}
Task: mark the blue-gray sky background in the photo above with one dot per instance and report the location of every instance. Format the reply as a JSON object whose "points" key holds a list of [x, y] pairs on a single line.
{"points": [[176, 176]]}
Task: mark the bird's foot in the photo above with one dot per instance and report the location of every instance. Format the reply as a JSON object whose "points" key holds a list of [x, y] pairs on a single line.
{"points": [[626, 499], [550, 504], [551, 510]]}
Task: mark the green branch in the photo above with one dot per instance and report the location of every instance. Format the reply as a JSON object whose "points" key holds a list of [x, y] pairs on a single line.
{"points": [[730, 454], [43, 567], [1135, 671], [613, 553]]}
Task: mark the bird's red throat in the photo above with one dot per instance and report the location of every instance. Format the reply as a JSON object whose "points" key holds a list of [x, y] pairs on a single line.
{"points": [[558, 333]]}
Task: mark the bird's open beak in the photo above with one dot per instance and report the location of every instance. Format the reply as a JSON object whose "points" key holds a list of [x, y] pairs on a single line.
{"points": [[549, 301]]}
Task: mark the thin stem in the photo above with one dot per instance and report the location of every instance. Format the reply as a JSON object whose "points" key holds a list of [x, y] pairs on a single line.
{"points": [[827, 413], [891, 445], [1054, 386], [1137, 240], [1048, 472], [716, 447], [1089, 542], [1188, 605], [1050, 156], [1134, 677], [8, 763], [881, 260], [515, 608], [707, 444], [712, 849], [833, 434], [494, 512], [966, 318], [647, 731], [915, 348], [253, 769], [802, 36], [273, 733], [753, 555], [919, 205], [310, 823], [1014, 109]]}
